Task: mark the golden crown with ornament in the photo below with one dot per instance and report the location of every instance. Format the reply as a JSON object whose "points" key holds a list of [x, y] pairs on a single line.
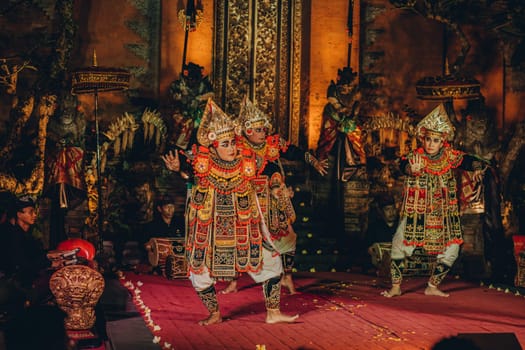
{"points": [[216, 125], [251, 117], [436, 121]]}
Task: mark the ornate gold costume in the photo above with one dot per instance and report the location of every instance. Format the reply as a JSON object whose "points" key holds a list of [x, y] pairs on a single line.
{"points": [[430, 203], [430, 211], [223, 217], [272, 193], [277, 209]]}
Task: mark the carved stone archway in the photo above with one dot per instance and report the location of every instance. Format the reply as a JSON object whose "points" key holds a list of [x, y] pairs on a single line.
{"points": [[257, 50]]}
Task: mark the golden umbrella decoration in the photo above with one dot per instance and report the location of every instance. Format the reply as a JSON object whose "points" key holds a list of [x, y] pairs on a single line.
{"points": [[448, 87], [93, 80]]}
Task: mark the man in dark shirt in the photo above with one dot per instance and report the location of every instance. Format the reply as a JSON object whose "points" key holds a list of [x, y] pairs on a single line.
{"points": [[23, 258], [165, 224], [383, 220]]}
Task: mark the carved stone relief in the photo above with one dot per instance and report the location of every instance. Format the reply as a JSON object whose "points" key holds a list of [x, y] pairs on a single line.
{"points": [[258, 52]]}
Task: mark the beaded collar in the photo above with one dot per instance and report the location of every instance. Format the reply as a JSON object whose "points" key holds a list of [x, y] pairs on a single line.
{"points": [[269, 149], [224, 176], [438, 164]]}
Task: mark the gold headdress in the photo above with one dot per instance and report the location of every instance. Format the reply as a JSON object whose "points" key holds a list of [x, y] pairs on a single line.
{"points": [[436, 121], [215, 125], [252, 117]]}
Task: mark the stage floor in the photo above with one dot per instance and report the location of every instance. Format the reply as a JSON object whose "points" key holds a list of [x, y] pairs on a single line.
{"points": [[337, 311]]}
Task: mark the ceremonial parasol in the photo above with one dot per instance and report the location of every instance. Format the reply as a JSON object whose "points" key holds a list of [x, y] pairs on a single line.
{"points": [[448, 87], [92, 80]]}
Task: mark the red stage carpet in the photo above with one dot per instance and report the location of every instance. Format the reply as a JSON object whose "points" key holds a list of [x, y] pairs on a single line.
{"points": [[337, 311]]}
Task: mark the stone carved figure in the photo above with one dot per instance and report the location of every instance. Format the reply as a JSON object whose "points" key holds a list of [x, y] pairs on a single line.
{"points": [[66, 133], [189, 95], [476, 131], [341, 136], [477, 134], [341, 142]]}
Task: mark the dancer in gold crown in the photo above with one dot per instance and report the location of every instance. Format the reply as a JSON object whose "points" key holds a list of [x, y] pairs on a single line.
{"points": [[223, 218], [430, 214], [273, 194]]}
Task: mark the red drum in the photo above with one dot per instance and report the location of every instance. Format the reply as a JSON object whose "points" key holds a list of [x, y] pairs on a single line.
{"points": [[168, 254], [380, 254]]}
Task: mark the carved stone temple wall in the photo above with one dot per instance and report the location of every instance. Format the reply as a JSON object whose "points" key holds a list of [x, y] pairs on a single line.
{"points": [[258, 51]]}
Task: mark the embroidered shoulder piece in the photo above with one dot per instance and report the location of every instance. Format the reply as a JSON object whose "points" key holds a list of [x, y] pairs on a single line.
{"points": [[201, 161], [249, 164], [269, 150], [275, 145]]}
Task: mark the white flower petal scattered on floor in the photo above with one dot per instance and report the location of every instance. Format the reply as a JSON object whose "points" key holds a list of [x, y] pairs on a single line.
{"points": [[146, 311]]}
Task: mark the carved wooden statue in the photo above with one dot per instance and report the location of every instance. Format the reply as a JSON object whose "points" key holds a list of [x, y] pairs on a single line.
{"points": [[77, 289]]}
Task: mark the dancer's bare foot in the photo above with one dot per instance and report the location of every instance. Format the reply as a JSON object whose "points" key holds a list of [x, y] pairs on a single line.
{"points": [[433, 290], [215, 317], [287, 281], [231, 288], [275, 316], [393, 292]]}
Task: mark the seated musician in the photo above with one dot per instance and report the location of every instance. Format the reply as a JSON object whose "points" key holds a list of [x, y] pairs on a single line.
{"points": [[23, 262], [165, 223]]}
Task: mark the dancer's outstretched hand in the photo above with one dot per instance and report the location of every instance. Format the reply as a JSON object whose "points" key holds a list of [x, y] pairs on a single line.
{"points": [[416, 164], [171, 160]]}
